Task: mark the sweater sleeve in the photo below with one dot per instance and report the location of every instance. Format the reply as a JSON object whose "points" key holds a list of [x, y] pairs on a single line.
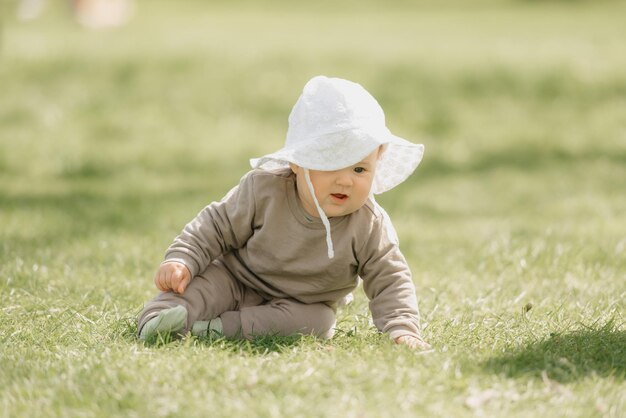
{"points": [[387, 283], [220, 227]]}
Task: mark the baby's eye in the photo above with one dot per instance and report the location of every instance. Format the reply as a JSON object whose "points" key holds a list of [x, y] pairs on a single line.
{"points": [[359, 169]]}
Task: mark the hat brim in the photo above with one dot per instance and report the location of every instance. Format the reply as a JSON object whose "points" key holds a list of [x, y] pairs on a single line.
{"points": [[343, 149], [396, 164]]}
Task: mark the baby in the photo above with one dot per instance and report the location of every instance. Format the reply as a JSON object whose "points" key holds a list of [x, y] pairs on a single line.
{"points": [[281, 250]]}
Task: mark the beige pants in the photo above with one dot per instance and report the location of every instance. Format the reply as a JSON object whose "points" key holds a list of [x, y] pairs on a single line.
{"points": [[244, 312]]}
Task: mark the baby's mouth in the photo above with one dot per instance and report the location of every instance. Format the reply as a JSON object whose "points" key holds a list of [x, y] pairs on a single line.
{"points": [[339, 196]]}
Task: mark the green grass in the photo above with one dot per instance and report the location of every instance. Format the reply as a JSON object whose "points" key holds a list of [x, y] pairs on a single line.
{"points": [[514, 225]]}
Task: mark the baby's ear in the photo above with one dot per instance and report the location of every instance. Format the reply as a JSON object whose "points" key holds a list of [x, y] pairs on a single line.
{"points": [[381, 150]]}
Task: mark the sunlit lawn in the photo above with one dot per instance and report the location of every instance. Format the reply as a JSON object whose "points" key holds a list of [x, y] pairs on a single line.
{"points": [[514, 225]]}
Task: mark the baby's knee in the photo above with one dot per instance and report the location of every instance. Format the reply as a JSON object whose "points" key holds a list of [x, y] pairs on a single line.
{"points": [[325, 322]]}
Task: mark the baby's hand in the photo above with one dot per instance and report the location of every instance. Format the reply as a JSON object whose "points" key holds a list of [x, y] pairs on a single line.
{"points": [[172, 276], [413, 342]]}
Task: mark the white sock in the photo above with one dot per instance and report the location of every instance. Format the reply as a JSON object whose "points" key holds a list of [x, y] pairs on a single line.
{"points": [[168, 320], [204, 328]]}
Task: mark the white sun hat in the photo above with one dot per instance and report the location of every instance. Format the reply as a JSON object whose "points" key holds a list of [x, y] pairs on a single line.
{"points": [[335, 124]]}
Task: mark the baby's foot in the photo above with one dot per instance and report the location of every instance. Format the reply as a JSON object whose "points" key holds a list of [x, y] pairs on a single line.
{"points": [[168, 320], [212, 328]]}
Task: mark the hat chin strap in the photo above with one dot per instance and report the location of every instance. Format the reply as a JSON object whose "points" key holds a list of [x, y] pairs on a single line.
{"points": [[329, 241]]}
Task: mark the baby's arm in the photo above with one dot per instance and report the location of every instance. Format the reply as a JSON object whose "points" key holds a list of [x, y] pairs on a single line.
{"points": [[387, 283], [220, 227], [172, 276]]}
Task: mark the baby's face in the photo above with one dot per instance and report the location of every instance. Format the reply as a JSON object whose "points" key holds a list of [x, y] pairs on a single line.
{"points": [[338, 192]]}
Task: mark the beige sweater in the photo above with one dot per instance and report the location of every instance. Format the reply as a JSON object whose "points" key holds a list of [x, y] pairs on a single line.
{"points": [[268, 241]]}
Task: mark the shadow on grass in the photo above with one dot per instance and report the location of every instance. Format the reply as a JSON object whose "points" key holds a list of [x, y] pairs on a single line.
{"points": [[566, 357], [126, 329], [259, 345]]}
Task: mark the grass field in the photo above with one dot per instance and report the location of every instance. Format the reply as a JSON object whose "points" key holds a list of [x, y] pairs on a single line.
{"points": [[514, 225]]}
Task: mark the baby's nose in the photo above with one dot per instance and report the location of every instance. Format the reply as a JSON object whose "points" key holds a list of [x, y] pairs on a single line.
{"points": [[344, 180]]}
